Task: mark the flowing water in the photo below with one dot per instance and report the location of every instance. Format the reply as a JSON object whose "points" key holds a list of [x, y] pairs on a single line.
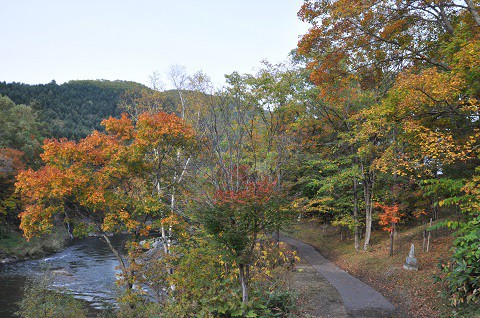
{"points": [[86, 269]]}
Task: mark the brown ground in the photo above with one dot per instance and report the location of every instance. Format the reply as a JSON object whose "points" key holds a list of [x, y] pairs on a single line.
{"points": [[414, 293]]}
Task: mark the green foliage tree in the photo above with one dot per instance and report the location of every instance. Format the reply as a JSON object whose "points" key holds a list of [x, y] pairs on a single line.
{"points": [[205, 281], [20, 140], [20, 129], [461, 273], [236, 218]]}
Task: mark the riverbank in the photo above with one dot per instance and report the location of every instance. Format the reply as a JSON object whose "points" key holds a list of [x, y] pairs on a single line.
{"points": [[412, 292], [85, 269], [15, 247]]}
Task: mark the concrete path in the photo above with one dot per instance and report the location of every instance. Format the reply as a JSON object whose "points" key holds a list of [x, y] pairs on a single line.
{"points": [[360, 299], [316, 296]]}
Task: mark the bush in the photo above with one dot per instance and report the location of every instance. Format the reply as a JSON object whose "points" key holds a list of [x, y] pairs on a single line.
{"points": [[204, 283], [39, 301], [281, 303], [462, 273]]}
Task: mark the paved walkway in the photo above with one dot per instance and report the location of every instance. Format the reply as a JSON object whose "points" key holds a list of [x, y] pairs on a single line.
{"points": [[316, 296], [360, 299]]}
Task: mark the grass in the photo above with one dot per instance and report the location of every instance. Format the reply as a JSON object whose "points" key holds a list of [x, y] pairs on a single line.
{"points": [[412, 292], [14, 245]]}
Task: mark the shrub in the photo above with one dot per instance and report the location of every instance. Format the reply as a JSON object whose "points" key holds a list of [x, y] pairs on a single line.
{"points": [[204, 283], [462, 273], [40, 301]]}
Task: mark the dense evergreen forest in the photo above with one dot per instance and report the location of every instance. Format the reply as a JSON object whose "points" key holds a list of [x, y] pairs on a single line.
{"points": [[371, 125]]}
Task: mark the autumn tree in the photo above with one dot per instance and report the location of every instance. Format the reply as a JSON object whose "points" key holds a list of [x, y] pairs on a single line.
{"points": [[237, 169], [419, 63], [389, 218], [237, 217], [374, 39], [327, 131], [396, 53], [106, 183]]}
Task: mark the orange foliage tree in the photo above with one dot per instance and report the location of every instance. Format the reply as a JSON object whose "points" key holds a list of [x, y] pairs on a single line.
{"points": [[389, 219], [107, 182]]}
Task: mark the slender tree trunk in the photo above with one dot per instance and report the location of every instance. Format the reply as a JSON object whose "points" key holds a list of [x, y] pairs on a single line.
{"points": [[368, 191], [69, 229], [124, 268], [392, 235], [244, 282], [355, 214], [172, 209], [424, 245], [164, 239], [435, 209], [429, 236], [368, 228]]}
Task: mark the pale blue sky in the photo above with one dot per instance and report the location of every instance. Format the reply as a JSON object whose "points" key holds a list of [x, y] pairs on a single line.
{"points": [[128, 40]]}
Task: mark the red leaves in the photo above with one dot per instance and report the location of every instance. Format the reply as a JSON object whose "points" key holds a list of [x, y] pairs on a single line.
{"points": [[390, 216], [259, 192]]}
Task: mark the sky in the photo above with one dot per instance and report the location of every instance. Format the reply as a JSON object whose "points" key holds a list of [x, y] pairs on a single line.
{"points": [[62, 40]]}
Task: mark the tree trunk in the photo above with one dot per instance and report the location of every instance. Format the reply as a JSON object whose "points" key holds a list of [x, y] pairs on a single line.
{"points": [[435, 209], [429, 236], [244, 281], [368, 228], [164, 239], [124, 268], [473, 11], [368, 192], [355, 215], [424, 245], [392, 235]]}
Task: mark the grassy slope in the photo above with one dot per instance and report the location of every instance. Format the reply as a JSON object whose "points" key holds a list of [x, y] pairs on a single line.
{"points": [[413, 292], [14, 246]]}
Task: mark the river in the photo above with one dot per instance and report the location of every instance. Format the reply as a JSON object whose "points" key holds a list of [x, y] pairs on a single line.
{"points": [[86, 269]]}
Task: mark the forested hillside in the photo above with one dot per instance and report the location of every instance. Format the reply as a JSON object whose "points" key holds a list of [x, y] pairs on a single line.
{"points": [[74, 109]]}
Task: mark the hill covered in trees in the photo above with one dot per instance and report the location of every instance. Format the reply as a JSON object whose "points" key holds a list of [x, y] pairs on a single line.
{"points": [[73, 109]]}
